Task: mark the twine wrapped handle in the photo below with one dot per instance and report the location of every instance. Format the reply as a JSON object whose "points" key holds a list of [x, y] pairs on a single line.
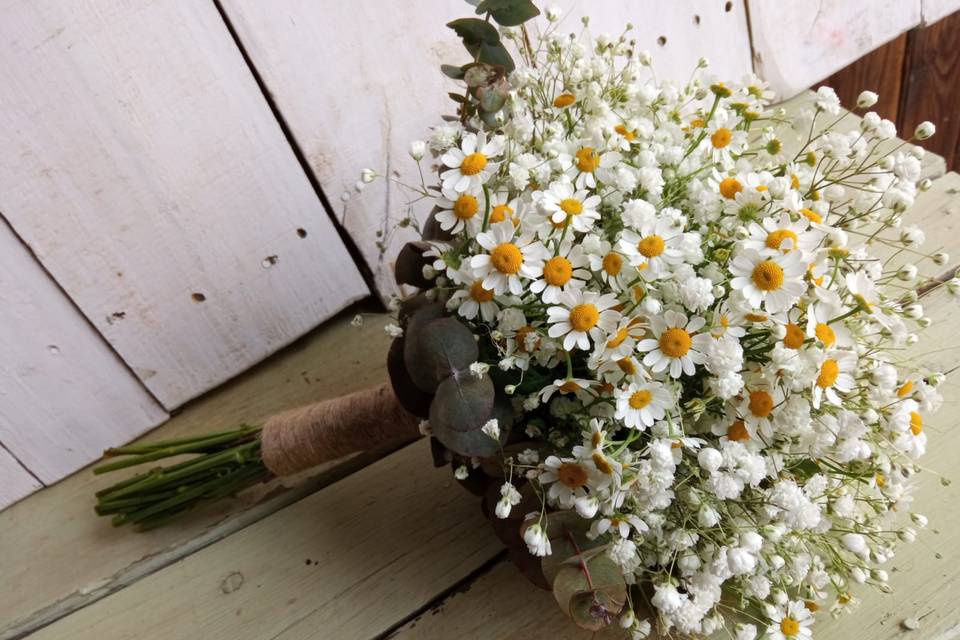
{"points": [[307, 436]]}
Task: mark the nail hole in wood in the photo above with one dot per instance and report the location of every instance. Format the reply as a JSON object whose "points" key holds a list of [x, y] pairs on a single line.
{"points": [[198, 297], [302, 232], [662, 40], [269, 261], [696, 19], [53, 349], [728, 7]]}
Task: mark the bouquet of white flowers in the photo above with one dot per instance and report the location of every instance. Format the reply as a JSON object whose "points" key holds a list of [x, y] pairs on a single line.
{"points": [[660, 330], [694, 306]]}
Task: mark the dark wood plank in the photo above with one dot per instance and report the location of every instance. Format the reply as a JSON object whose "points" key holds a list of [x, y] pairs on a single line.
{"points": [[880, 71], [931, 89]]}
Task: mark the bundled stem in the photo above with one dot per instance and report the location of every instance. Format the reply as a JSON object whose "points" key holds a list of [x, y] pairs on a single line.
{"points": [[225, 463]]}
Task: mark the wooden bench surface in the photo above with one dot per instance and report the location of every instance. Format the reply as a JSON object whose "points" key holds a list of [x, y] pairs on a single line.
{"points": [[382, 544]]}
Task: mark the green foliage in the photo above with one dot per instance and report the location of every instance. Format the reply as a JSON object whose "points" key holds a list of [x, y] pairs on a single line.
{"points": [[508, 13], [408, 268], [482, 41], [462, 403], [435, 349]]}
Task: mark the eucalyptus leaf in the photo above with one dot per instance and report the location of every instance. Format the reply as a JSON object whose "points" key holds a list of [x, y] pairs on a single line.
{"points": [[434, 349], [463, 402], [509, 13], [476, 443], [410, 396], [491, 99], [482, 41], [452, 71], [408, 268]]}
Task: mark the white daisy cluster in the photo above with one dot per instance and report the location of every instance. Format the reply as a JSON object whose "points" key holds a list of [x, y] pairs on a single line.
{"points": [[697, 306]]}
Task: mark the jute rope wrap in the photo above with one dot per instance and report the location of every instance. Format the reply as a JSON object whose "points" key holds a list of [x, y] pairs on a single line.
{"points": [[305, 437]]}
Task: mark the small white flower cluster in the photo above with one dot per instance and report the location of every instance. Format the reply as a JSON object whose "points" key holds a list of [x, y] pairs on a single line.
{"points": [[676, 283]]}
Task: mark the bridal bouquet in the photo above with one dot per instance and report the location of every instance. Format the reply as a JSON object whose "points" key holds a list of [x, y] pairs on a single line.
{"points": [[660, 331]]}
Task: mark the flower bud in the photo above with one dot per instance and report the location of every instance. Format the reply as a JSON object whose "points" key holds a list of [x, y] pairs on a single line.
{"points": [[924, 130], [553, 13], [418, 148], [907, 272], [368, 175], [867, 99]]}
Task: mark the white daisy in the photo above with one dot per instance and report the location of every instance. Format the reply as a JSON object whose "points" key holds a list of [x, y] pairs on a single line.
{"points": [[578, 209], [502, 207], [834, 376], [653, 248], [723, 138], [562, 272], [676, 344], [568, 478], [639, 405], [588, 165], [776, 282], [608, 264], [469, 165], [508, 259], [459, 212], [791, 623], [585, 315], [469, 300], [772, 236]]}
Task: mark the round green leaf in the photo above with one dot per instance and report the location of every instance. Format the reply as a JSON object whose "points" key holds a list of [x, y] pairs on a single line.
{"points": [[463, 402], [509, 13], [410, 396], [436, 348], [408, 268]]}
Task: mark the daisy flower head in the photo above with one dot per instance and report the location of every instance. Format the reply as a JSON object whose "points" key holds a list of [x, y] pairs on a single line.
{"points": [[724, 140], [502, 207], [775, 235], [568, 478], [589, 164], [508, 258], [676, 344], [834, 377], [760, 402], [568, 207], [473, 299], [583, 316], [653, 248], [791, 623], [458, 211], [775, 282], [563, 272], [579, 387], [469, 166], [641, 404]]}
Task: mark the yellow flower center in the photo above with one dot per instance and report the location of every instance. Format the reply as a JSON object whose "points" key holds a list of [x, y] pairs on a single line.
{"points": [[569, 387], [479, 293], [506, 258], [825, 334], [761, 403], [738, 431], [789, 627], [626, 133], [768, 275], [612, 263], [721, 138], [584, 317], [730, 187], [571, 206], [794, 337], [675, 342], [794, 181], [572, 475], [521, 339], [829, 371], [473, 164], [603, 465], [618, 339], [557, 271], [465, 207], [564, 100], [697, 123], [626, 365], [776, 238], [640, 399], [881, 480], [916, 423], [651, 246], [587, 160], [811, 215], [500, 213], [905, 390], [755, 317]]}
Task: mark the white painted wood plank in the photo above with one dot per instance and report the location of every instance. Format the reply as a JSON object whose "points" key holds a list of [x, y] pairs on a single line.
{"points": [[64, 395], [15, 481], [356, 86], [145, 169], [934, 10], [797, 43]]}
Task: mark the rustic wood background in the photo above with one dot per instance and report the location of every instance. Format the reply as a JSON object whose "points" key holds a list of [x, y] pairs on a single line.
{"points": [[170, 185]]}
